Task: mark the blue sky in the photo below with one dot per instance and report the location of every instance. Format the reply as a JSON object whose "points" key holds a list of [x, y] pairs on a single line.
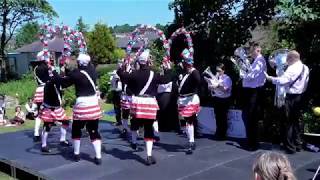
{"points": [[113, 12]]}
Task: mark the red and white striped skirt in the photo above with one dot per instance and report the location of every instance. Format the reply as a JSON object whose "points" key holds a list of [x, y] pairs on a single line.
{"points": [[189, 105], [38, 96], [144, 107], [87, 108], [125, 101], [52, 114]]}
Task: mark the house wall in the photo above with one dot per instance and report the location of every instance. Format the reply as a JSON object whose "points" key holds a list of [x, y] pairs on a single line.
{"points": [[19, 62]]}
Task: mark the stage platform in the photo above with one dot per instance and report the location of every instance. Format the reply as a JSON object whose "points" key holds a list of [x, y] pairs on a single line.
{"points": [[214, 160]]}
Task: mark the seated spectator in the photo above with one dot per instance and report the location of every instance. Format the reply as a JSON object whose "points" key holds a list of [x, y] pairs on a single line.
{"points": [[32, 109], [19, 117], [272, 166]]}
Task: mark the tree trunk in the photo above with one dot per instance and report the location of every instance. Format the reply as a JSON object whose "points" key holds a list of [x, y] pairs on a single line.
{"points": [[3, 70]]}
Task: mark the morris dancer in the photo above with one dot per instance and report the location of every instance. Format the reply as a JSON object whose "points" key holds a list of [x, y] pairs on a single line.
{"points": [[41, 74], [116, 88], [253, 82], [143, 84], [51, 111], [86, 111], [295, 79], [125, 103], [189, 102]]}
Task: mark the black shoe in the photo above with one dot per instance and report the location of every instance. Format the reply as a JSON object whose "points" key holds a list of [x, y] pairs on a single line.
{"points": [[193, 146], [76, 157], [117, 124], [65, 143], [189, 151], [157, 138], [219, 138], [134, 146], [45, 149], [36, 138], [124, 134], [299, 148], [97, 161], [150, 160], [289, 151]]}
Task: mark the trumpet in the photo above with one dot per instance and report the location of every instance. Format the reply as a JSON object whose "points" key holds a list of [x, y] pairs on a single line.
{"points": [[241, 60], [212, 79], [277, 60]]}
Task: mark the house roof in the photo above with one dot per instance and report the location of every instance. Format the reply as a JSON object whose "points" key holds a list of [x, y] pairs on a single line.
{"points": [[54, 45]]}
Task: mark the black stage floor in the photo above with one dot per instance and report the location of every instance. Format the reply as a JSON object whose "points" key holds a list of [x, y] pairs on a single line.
{"points": [[212, 160]]}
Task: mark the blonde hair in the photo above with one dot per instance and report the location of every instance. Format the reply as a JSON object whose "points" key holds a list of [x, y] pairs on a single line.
{"points": [[273, 166]]}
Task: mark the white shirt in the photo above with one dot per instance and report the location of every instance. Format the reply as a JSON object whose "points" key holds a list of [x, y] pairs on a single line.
{"points": [[255, 77], [290, 75], [32, 108], [225, 87], [116, 84]]}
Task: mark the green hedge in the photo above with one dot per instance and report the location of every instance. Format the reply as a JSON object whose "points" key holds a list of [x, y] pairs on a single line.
{"points": [[22, 89]]}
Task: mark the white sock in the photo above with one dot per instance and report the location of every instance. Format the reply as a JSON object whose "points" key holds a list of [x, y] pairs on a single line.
{"points": [[149, 147], [156, 128], [134, 135], [44, 138], [63, 132], [37, 124], [97, 148], [125, 124], [76, 146], [190, 132]]}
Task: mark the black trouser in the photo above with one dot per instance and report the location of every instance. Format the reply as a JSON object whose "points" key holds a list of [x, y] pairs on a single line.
{"points": [[125, 113], [221, 107], [251, 102], [30, 116], [92, 127], [291, 130], [47, 125], [147, 126], [167, 115], [116, 97]]}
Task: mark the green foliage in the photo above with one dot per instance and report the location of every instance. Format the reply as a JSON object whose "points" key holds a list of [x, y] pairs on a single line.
{"points": [[27, 34], [69, 96], [81, 26], [312, 123], [104, 83], [105, 69], [126, 28], [219, 26], [157, 52], [22, 89], [101, 44], [118, 54]]}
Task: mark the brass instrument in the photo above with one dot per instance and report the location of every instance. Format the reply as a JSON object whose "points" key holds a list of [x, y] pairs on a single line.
{"points": [[277, 60]]}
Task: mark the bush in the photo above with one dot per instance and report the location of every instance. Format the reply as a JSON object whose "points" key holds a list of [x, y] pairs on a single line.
{"points": [[311, 123], [69, 97], [22, 89], [105, 68]]}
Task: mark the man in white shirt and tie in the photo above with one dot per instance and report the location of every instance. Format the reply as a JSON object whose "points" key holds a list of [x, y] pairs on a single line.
{"points": [[295, 80], [252, 83]]}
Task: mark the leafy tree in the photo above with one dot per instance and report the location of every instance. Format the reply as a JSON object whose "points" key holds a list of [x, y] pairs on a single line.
{"points": [[126, 28], [101, 44], [81, 26], [219, 26], [27, 34], [13, 14], [118, 54]]}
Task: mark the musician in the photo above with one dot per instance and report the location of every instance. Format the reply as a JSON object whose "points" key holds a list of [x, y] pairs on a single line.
{"points": [[295, 80], [221, 94], [41, 74], [143, 85], [167, 115], [52, 111], [86, 111], [253, 82], [188, 101]]}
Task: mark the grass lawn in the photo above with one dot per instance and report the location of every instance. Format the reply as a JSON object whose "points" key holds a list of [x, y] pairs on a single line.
{"points": [[29, 123], [4, 176]]}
